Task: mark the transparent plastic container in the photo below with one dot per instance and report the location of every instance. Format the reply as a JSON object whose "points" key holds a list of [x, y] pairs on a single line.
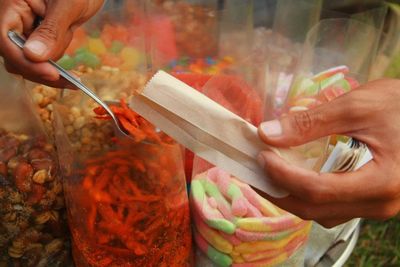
{"points": [[127, 201], [33, 229], [128, 206]]}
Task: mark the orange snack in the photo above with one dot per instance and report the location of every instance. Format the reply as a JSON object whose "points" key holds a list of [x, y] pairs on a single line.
{"points": [[130, 206]]}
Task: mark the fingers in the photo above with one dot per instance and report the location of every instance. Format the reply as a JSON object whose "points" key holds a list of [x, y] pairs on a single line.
{"points": [[48, 41], [52, 36], [19, 17], [364, 184], [339, 116]]}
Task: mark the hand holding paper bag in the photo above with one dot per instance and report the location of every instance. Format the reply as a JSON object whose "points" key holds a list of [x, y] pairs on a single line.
{"points": [[371, 115], [219, 136]]}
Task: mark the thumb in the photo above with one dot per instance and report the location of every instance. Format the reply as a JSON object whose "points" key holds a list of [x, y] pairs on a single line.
{"points": [[52, 36], [297, 128]]}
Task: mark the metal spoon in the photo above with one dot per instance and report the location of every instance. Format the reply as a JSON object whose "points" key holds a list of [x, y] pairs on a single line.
{"points": [[20, 42]]}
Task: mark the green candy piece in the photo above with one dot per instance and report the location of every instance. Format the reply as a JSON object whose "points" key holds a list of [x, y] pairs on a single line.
{"points": [[184, 61], [116, 47], [67, 62], [300, 86], [197, 189], [88, 59], [218, 258], [344, 84], [95, 34], [212, 190], [331, 80], [222, 224], [234, 191], [81, 50]]}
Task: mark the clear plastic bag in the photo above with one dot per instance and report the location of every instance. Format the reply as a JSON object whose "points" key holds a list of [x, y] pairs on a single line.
{"points": [[128, 206], [220, 203], [127, 201], [180, 30], [387, 62], [33, 230], [335, 60]]}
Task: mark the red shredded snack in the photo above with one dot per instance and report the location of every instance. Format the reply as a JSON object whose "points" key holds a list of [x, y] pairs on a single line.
{"points": [[130, 207]]}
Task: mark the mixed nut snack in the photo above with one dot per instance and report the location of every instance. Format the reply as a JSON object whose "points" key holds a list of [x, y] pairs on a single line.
{"points": [[33, 230]]}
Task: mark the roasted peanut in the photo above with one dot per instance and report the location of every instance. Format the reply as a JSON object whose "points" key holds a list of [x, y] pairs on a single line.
{"points": [[40, 177], [23, 177]]}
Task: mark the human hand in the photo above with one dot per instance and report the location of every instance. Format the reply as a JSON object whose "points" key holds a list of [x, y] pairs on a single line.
{"points": [[370, 114], [47, 41]]}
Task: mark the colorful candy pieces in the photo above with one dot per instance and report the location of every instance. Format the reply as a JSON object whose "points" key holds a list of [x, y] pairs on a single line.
{"points": [[325, 86], [111, 47], [261, 234], [207, 65], [212, 216]]}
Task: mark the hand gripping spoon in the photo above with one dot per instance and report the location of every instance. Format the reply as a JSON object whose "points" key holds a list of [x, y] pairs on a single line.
{"points": [[20, 42]]}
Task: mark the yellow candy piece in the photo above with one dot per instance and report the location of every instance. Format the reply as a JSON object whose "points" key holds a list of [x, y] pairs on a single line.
{"points": [[131, 58], [238, 259], [228, 59], [297, 109], [213, 70], [251, 247], [259, 225], [214, 239], [304, 102], [96, 46]]}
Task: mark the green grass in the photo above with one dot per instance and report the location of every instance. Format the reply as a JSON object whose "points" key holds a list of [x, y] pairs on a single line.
{"points": [[378, 245]]}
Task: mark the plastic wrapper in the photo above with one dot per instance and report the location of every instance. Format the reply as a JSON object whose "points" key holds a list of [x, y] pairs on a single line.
{"points": [[283, 46], [33, 230], [128, 207], [127, 201], [181, 29], [108, 54], [335, 60], [387, 62], [233, 224]]}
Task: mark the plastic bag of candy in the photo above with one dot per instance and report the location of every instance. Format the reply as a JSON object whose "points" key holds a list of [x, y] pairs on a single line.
{"points": [[335, 60], [33, 230], [232, 224]]}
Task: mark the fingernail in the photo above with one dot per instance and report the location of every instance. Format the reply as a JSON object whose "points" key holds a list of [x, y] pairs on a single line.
{"points": [[271, 128], [37, 47], [261, 160]]}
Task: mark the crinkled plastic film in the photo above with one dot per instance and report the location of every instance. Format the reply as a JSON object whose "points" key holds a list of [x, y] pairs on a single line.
{"points": [[127, 200], [33, 230]]}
